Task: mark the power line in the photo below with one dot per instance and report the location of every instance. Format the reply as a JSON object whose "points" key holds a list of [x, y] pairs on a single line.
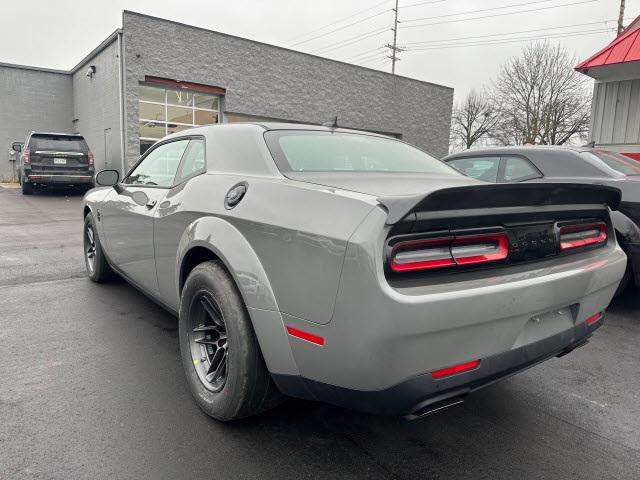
{"points": [[349, 41], [478, 11], [499, 14], [339, 21], [512, 40], [365, 53], [421, 3], [342, 28], [428, 42]]}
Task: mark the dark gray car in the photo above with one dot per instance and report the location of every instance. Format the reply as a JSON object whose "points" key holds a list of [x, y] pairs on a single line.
{"points": [[348, 267], [567, 164], [61, 159]]}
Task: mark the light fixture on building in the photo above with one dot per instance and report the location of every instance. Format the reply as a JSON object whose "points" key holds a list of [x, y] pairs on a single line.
{"points": [[91, 70]]}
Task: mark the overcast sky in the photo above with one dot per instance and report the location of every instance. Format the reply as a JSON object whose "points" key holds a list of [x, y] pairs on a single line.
{"points": [[458, 43]]}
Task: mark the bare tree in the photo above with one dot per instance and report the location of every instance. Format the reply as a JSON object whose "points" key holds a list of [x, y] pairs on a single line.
{"points": [[473, 119], [542, 98]]}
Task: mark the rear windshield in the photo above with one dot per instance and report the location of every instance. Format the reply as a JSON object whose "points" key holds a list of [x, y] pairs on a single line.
{"points": [[311, 151], [614, 161], [59, 143]]}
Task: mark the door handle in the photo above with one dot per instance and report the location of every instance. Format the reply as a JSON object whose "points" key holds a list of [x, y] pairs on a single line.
{"points": [[150, 204]]}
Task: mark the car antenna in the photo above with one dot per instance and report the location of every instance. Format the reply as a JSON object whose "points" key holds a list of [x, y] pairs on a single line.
{"points": [[332, 124]]}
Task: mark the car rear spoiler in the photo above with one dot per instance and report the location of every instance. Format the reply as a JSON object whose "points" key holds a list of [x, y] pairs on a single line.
{"points": [[501, 195]]}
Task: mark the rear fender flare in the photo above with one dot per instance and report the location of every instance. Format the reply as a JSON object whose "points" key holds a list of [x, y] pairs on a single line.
{"points": [[239, 258]]}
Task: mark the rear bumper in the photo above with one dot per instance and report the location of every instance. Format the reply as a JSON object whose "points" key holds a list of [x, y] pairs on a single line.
{"points": [[60, 179], [422, 394], [381, 336]]}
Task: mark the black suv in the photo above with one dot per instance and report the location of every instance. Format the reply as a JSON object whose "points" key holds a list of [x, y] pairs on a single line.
{"points": [[54, 159]]}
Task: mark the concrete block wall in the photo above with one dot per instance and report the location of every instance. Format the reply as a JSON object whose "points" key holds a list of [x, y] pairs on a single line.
{"points": [[275, 82], [31, 99], [96, 106]]}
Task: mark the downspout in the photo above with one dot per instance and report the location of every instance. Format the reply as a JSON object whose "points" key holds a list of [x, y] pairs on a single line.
{"points": [[123, 154]]}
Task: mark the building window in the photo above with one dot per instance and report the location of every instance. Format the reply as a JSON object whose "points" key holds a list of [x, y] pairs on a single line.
{"points": [[163, 111]]}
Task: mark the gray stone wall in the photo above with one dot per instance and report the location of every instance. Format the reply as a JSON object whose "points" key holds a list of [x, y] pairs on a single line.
{"points": [[274, 82], [31, 99], [96, 105]]}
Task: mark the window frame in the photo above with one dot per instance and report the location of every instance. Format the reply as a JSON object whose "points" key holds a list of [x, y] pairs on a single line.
{"points": [[157, 145], [503, 166], [470, 157], [179, 181]]}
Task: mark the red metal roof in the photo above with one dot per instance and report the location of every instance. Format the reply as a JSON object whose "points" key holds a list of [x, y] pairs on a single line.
{"points": [[624, 49]]}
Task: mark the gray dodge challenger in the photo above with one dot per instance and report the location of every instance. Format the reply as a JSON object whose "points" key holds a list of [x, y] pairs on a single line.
{"points": [[348, 267]]}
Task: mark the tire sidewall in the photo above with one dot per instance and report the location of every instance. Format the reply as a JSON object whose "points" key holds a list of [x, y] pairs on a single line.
{"points": [[226, 403], [98, 274]]}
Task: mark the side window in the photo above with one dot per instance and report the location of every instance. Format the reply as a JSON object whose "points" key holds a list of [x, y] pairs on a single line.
{"points": [[159, 167], [193, 161], [480, 168], [517, 169]]}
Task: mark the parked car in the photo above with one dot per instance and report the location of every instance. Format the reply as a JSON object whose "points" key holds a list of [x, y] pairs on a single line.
{"points": [[348, 267], [567, 164], [54, 159]]}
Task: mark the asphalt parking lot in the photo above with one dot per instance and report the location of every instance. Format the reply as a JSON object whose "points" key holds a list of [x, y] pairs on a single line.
{"points": [[91, 387]]}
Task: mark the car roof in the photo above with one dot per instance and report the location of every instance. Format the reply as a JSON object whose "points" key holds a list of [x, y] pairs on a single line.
{"points": [[272, 126], [59, 134], [522, 150]]}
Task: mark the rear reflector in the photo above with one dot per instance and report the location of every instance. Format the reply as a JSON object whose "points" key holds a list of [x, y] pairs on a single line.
{"points": [[309, 337], [462, 367], [576, 236], [442, 252], [593, 318]]}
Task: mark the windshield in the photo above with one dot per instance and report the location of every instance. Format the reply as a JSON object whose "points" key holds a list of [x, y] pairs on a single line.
{"points": [[318, 151], [613, 161]]}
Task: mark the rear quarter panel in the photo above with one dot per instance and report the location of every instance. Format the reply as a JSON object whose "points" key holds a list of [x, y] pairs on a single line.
{"points": [[295, 233]]}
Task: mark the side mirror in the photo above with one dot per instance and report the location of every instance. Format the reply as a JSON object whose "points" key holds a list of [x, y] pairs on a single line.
{"points": [[17, 146], [107, 178]]}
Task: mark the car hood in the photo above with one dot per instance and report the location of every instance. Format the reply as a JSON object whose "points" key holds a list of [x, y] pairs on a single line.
{"points": [[380, 184]]}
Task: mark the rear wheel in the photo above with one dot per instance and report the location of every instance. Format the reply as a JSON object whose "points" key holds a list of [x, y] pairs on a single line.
{"points": [[27, 188], [225, 370], [98, 268]]}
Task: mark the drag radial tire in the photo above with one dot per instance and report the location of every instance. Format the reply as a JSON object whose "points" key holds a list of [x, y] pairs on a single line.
{"points": [[97, 265], [222, 360]]}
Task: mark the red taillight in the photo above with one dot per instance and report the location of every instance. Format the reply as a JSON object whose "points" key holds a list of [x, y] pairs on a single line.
{"points": [[309, 337], [26, 155], [576, 236], [448, 251], [593, 318], [452, 370], [90, 155]]}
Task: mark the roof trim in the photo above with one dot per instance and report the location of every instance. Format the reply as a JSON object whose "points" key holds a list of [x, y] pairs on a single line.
{"points": [[144, 15], [104, 44], [30, 67], [631, 34]]}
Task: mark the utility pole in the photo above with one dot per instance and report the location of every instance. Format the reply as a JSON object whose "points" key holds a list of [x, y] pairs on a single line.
{"points": [[620, 17], [394, 48]]}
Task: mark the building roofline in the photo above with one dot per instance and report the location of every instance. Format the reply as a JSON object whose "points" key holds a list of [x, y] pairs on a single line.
{"points": [[104, 44], [30, 67], [284, 48]]}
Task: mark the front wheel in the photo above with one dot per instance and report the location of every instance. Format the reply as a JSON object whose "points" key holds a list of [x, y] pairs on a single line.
{"points": [[223, 363], [95, 261]]}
